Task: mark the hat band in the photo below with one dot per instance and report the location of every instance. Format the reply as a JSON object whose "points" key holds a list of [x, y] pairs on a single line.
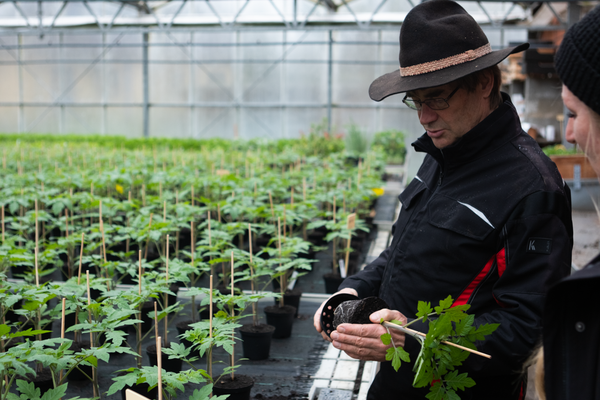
{"points": [[436, 65]]}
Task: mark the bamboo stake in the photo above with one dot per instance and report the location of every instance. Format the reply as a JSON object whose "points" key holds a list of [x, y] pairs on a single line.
{"points": [[350, 223], [89, 295], [210, 331], [193, 200], [80, 260], [166, 295], [159, 364], [212, 267], [156, 324], [254, 310], [232, 315], [304, 188], [271, 202], [292, 195], [413, 333], [282, 281], [66, 223], [148, 240], [37, 272], [3, 224], [139, 330], [62, 330]]}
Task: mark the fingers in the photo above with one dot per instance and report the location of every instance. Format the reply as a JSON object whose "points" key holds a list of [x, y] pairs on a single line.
{"points": [[387, 315], [319, 312], [360, 341]]}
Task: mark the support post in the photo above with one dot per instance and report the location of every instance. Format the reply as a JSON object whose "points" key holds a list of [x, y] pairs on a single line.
{"points": [[146, 114]]}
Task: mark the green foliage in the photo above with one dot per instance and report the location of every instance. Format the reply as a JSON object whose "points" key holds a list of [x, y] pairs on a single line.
{"points": [[357, 142], [560, 150], [391, 144], [435, 366]]}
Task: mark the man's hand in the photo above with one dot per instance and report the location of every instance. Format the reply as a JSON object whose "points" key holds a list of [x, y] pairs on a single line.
{"points": [[317, 317], [363, 341]]}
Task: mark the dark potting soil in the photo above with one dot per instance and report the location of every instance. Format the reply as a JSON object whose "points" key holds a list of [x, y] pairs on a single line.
{"points": [[357, 311], [239, 381], [260, 328]]}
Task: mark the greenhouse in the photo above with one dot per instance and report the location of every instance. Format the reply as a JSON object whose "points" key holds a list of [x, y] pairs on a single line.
{"points": [[195, 178]]}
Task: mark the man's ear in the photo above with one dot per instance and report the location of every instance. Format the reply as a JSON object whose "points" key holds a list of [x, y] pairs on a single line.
{"points": [[486, 83]]}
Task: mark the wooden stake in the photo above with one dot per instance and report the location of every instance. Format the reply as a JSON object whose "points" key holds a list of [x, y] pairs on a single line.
{"points": [[62, 330], [159, 364], [166, 295], [350, 223], [193, 200], [3, 224], [414, 333], [148, 240], [271, 202], [139, 330], [334, 208], [66, 223], [304, 188], [156, 323], [254, 311], [37, 272], [232, 315], [210, 331], [192, 240], [80, 260]]}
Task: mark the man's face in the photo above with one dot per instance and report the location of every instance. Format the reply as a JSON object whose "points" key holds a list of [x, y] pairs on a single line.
{"points": [[465, 111], [583, 127]]}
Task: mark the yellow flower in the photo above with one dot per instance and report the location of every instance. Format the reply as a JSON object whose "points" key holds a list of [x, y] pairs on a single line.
{"points": [[119, 188], [378, 191]]}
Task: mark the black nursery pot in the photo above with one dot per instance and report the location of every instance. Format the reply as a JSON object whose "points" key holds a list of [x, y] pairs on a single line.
{"points": [[42, 380], [347, 308], [238, 389], [256, 340], [292, 298], [357, 311], [282, 318], [332, 282], [170, 365], [142, 389], [79, 373]]}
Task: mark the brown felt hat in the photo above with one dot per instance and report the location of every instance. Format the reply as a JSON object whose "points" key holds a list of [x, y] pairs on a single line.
{"points": [[439, 43]]}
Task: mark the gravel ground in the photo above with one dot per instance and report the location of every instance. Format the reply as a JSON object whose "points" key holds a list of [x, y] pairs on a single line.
{"points": [[586, 237]]}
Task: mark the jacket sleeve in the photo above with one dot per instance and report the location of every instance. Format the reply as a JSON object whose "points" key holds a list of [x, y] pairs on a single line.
{"points": [[538, 242]]}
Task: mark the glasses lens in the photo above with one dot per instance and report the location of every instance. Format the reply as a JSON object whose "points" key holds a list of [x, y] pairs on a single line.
{"points": [[436, 104], [411, 103]]}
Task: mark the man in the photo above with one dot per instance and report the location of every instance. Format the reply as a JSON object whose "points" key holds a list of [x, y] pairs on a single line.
{"points": [[486, 220]]}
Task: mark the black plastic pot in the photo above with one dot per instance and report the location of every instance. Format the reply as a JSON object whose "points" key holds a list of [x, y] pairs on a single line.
{"points": [[238, 389], [142, 389], [332, 282], [291, 298], [282, 318], [357, 311], [42, 380], [170, 365], [256, 340], [79, 373]]}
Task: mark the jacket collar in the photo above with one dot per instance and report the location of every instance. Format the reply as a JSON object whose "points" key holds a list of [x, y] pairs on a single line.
{"points": [[499, 127]]}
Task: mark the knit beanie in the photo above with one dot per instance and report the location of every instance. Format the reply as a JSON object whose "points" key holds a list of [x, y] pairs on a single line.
{"points": [[578, 59]]}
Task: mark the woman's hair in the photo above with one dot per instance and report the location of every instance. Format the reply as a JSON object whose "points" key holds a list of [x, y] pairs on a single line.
{"points": [[470, 82], [536, 361]]}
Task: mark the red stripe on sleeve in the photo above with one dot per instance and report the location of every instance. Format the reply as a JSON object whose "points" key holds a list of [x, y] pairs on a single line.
{"points": [[464, 297]]}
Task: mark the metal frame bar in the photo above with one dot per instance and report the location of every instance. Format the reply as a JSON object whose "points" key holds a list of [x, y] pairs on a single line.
{"points": [[165, 24]]}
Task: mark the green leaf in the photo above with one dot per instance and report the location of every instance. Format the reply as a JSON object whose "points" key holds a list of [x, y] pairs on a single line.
{"points": [[484, 330], [436, 392], [56, 393], [444, 305], [458, 381], [386, 339], [28, 389], [424, 309]]}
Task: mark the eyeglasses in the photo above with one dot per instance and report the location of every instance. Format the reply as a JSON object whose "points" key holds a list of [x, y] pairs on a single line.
{"points": [[434, 104]]}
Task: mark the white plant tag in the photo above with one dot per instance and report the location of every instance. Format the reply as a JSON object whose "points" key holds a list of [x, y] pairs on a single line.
{"points": [[342, 269]]}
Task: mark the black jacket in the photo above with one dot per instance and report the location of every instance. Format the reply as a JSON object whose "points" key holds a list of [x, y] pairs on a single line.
{"points": [[486, 220], [572, 336]]}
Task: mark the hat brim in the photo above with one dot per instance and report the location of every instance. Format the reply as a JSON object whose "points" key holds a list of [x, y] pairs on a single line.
{"points": [[393, 83]]}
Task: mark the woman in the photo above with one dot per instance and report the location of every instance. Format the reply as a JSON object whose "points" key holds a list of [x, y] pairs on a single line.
{"points": [[571, 336]]}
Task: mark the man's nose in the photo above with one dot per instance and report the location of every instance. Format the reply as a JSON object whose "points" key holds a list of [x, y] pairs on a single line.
{"points": [[569, 131], [427, 115]]}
